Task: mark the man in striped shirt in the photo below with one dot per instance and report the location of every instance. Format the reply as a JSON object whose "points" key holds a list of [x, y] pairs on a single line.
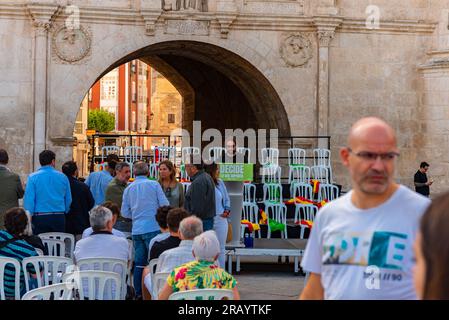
{"points": [[13, 246]]}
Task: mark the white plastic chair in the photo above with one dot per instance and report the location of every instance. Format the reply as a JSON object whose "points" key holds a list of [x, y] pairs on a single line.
{"points": [[216, 154], [49, 270], [163, 153], [327, 192], [154, 171], [272, 193], [250, 212], [203, 294], [107, 264], [68, 239], [243, 151], [60, 291], [322, 157], [270, 156], [308, 212], [249, 193], [301, 190], [107, 150], [277, 212], [321, 173], [130, 264], [186, 152], [39, 251], [96, 285], [271, 174], [185, 186], [132, 154], [296, 156], [55, 247], [158, 281], [4, 261], [298, 174]]}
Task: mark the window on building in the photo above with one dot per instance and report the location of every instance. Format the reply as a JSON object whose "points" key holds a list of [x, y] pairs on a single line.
{"points": [[133, 66], [171, 118], [133, 92]]}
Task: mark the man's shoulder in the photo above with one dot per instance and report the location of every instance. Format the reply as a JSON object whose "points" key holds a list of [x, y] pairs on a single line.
{"points": [[411, 199]]}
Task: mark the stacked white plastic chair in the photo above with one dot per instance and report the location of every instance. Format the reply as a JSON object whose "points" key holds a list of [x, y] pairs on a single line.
{"points": [[216, 154], [158, 281], [271, 171], [278, 213], [244, 151], [296, 161], [96, 285], [250, 210], [67, 238], [11, 262], [163, 153], [117, 266], [107, 150], [322, 158], [304, 212], [328, 192], [60, 291], [132, 154], [48, 270]]}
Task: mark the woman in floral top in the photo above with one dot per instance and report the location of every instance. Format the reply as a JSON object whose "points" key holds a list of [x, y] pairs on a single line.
{"points": [[202, 273]]}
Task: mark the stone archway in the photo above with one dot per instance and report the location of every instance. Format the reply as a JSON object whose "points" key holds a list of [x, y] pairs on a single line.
{"points": [[219, 87]]}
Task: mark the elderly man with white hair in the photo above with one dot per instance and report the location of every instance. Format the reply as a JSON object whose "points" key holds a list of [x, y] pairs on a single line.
{"points": [[203, 272], [101, 243], [189, 228]]}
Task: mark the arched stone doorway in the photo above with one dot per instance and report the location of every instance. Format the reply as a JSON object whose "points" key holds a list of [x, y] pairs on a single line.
{"points": [[219, 88]]}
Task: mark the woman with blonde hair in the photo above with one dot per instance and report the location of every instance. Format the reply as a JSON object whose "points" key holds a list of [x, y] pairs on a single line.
{"points": [[174, 191]]}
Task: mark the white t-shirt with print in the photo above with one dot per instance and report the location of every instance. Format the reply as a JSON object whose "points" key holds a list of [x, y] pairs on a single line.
{"points": [[366, 254]]}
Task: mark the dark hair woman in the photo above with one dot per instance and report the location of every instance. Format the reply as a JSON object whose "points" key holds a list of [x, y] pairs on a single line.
{"points": [[432, 252], [13, 244], [174, 191]]}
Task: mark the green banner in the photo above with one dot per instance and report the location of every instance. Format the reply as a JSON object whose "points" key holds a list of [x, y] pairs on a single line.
{"points": [[236, 171]]}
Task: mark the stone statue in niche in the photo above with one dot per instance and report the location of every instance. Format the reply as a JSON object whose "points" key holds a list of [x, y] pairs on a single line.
{"points": [[296, 50], [185, 5]]}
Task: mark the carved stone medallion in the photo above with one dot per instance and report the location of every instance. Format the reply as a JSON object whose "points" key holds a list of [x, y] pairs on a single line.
{"points": [[71, 45], [296, 50]]}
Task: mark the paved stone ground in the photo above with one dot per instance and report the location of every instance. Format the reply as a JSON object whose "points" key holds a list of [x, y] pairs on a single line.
{"points": [[265, 279]]}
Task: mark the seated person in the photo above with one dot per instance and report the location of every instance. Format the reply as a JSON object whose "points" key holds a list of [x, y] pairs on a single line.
{"points": [[13, 245], [203, 272], [174, 217], [161, 218], [115, 215], [101, 243], [189, 228]]}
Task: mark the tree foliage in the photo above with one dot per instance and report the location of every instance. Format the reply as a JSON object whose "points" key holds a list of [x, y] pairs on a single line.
{"points": [[101, 121]]}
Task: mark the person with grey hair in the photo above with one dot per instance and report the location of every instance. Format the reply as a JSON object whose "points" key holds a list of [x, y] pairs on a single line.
{"points": [[101, 243], [114, 193], [203, 272], [141, 200], [189, 228]]}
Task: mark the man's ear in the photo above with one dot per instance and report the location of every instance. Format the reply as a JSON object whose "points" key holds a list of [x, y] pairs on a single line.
{"points": [[344, 156]]}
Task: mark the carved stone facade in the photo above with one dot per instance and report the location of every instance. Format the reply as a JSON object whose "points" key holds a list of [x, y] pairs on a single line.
{"points": [[296, 50], [305, 67]]}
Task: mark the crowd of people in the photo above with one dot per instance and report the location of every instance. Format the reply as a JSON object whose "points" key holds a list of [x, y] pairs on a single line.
{"points": [[107, 208], [380, 240]]}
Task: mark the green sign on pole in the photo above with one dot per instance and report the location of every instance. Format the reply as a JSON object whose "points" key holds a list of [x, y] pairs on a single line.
{"points": [[236, 171]]}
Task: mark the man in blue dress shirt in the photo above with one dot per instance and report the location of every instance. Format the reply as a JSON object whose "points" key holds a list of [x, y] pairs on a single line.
{"points": [[98, 181], [47, 196], [141, 200]]}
